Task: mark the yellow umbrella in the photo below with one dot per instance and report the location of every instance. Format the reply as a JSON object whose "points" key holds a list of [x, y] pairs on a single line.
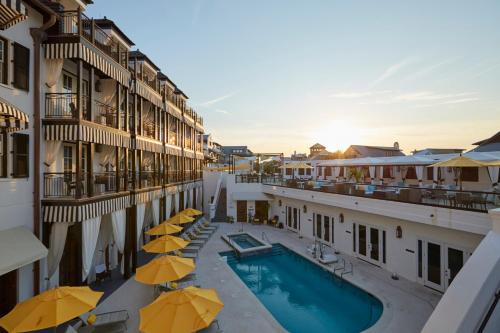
{"points": [[191, 212], [181, 311], [50, 309], [164, 229], [296, 165], [164, 269], [458, 162], [165, 244], [180, 218]]}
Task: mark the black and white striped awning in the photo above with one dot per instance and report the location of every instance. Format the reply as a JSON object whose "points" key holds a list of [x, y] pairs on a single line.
{"points": [[190, 186], [59, 132], [147, 196], [173, 110], [11, 13], [145, 144], [11, 118], [188, 120], [199, 156], [173, 150], [91, 55], [189, 153], [142, 89], [200, 127], [65, 213]]}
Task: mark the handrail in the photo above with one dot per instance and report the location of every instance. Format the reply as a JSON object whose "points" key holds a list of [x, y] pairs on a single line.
{"points": [[213, 204], [264, 237], [491, 309]]}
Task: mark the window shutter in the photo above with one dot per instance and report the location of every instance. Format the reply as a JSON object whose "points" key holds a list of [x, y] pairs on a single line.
{"points": [[21, 67], [20, 160]]}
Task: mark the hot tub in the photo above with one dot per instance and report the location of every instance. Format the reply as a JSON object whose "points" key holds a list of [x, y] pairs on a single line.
{"points": [[246, 244]]}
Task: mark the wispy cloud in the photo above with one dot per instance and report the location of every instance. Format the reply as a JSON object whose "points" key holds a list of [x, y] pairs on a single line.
{"points": [[394, 69], [221, 111], [430, 69], [217, 99], [196, 11], [429, 96], [359, 94]]}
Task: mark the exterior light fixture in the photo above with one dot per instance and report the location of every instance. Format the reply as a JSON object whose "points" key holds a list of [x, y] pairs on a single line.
{"points": [[399, 232], [305, 209], [279, 202], [341, 218]]}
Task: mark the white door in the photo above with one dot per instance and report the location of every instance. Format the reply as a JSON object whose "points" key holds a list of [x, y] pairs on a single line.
{"points": [[369, 243]]}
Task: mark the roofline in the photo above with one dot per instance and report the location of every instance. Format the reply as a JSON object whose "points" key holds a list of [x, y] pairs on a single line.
{"points": [[107, 22], [140, 55]]}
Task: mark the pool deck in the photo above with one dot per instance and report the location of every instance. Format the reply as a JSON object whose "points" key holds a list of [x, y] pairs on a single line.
{"points": [[407, 305]]}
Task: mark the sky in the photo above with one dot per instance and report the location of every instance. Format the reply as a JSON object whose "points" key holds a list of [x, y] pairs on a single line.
{"points": [[281, 75]]}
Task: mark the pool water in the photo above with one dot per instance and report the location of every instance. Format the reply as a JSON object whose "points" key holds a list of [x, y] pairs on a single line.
{"points": [[245, 241], [303, 296]]}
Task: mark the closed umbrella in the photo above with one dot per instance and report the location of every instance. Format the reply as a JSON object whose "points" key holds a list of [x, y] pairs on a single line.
{"points": [[50, 309], [164, 269], [165, 244], [181, 311]]}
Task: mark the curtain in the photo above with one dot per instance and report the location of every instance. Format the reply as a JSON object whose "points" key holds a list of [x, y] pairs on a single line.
{"points": [[185, 199], [493, 172], [168, 205], [108, 91], [105, 238], [53, 69], [156, 211], [58, 234], [118, 222], [381, 174], [176, 198], [107, 156], [435, 175], [336, 172], [419, 169], [371, 170], [404, 171], [90, 231], [346, 173], [199, 198], [141, 210], [51, 150]]}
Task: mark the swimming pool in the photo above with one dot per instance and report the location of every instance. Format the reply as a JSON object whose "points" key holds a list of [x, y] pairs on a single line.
{"points": [[245, 241], [303, 296]]}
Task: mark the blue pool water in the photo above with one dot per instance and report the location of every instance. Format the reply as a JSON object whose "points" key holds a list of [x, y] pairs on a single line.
{"points": [[302, 296], [245, 241]]}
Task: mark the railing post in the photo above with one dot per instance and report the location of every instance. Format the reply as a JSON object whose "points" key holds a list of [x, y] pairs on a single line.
{"points": [[79, 21], [90, 163], [92, 31]]}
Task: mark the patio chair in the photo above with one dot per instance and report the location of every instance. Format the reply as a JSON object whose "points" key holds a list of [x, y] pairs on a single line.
{"points": [[199, 230], [107, 322], [213, 328], [194, 235], [480, 200], [463, 199], [200, 242], [191, 248]]}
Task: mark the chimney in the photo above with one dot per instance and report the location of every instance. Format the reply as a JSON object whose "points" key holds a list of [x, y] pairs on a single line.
{"points": [[396, 145]]}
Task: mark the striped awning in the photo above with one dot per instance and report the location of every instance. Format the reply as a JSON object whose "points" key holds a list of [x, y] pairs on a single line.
{"points": [[145, 144], [190, 186], [91, 55], [142, 89], [173, 110], [11, 13], [11, 118], [200, 127], [148, 196], [199, 155], [65, 213], [189, 153], [59, 132], [173, 150], [188, 120]]}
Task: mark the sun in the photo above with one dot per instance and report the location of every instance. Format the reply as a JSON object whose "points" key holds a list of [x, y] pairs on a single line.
{"points": [[337, 135]]}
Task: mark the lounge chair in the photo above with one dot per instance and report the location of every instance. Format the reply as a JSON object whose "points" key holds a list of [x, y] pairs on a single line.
{"points": [[107, 322], [199, 242], [213, 328], [191, 248], [194, 235], [198, 229]]}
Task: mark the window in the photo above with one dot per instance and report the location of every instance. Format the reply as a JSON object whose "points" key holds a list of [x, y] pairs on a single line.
{"points": [[67, 83], [68, 159], [430, 173], [20, 160], [318, 225], [3, 155], [328, 171], [387, 171], [326, 225], [470, 174], [21, 67], [288, 171], [301, 172], [411, 173], [4, 61]]}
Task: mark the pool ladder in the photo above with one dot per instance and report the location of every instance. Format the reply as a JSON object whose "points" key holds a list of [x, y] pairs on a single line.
{"points": [[264, 237], [342, 267]]}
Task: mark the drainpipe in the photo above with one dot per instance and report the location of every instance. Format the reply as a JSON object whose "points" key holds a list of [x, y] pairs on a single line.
{"points": [[38, 35]]}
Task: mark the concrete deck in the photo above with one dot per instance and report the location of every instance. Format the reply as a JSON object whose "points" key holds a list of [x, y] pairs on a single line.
{"points": [[407, 305]]}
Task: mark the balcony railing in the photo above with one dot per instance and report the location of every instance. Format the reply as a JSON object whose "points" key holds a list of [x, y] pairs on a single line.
{"points": [[105, 114], [105, 182], [149, 130], [63, 184], [75, 23], [479, 201], [148, 179]]}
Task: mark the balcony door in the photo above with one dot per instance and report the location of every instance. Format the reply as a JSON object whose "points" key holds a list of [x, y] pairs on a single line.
{"points": [[241, 211], [293, 218], [370, 244], [323, 228]]}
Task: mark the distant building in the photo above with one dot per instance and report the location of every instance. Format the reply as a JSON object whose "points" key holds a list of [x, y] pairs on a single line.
{"points": [[355, 151], [241, 151], [316, 149], [212, 151], [434, 151], [490, 144], [298, 156]]}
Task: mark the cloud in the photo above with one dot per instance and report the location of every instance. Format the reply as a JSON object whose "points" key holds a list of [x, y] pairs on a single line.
{"points": [[217, 99], [394, 69], [359, 94], [196, 11], [221, 111], [418, 97], [429, 69], [429, 96]]}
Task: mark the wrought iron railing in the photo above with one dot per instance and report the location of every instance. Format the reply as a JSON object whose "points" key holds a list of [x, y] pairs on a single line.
{"points": [[63, 184]]}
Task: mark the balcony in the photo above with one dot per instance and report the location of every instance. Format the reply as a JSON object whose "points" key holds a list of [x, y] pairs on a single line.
{"points": [[75, 24], [64, 184], [64, 106], [476, 201]]}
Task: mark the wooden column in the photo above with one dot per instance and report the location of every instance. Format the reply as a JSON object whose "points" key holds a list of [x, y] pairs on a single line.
{"points": [[134, 169], [127, 111], [139, 167], [118, 105], [79, 88], [140, 116], [79, 176], [117, 167], [90, 168], [90, 101], [125, 169], [130, 251]]}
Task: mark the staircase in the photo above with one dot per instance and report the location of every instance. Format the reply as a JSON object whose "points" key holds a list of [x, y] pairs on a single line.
{"points": [[221, 210]]}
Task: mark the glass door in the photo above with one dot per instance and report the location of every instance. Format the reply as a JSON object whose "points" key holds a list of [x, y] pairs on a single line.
{"points": [[433, 264], [374, 244], [369, 243], [455, 260]]}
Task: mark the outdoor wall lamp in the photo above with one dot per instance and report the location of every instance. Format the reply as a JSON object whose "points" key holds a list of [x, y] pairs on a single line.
{"points": [[279, 202], [305, 209], [399, 232], [341, 218]]}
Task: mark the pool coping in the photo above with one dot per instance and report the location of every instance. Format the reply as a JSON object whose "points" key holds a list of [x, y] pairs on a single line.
{"points": [[266, 247], [379, 326]]}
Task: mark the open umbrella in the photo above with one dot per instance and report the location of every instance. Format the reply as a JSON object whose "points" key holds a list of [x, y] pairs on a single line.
{"points": [[50, 309], [165, 244], [181, 311], [458, 163], [164, 269], [180, 218], [191, 212], [164, 229]]}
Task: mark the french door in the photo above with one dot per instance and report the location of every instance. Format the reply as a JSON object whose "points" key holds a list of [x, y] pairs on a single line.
{"points": [[438, 263], [323, 228], [293, 218], [370, 245]]}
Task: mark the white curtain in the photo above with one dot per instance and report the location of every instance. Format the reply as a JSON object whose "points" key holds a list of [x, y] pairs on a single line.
{"points": [[51, 150], [58, 234], [336, 172], [107, 156], [119, 224], [404, 171], [108, 91], [168, 205], [176, 198], [346, 173], [185, 199], [141, 210], [419, 170], [371, 170], [105, 238], [435, 175], [493, 172], [381, 174], [90, 231], [53, 69], [156, 211]]}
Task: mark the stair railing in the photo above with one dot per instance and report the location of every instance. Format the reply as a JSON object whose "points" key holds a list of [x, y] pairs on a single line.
{"points": [[213, 204]]}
